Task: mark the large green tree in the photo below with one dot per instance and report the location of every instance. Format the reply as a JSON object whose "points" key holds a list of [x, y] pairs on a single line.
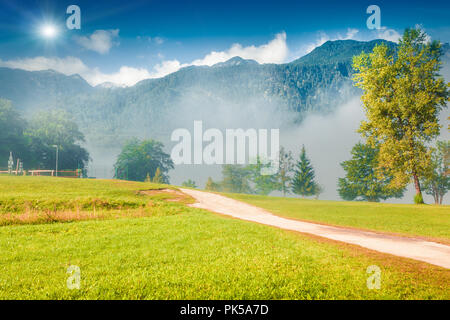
{"points": [[437, 182], [33, 141], [56, 128], [139, 158], [304, 183], [362, 180], [402, 96]]}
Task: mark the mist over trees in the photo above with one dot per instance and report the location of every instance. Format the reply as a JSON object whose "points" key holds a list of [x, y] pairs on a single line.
{"points": [[251, 180], [33, 141]]}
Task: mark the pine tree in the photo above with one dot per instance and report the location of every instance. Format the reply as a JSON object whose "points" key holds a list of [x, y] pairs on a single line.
{"points": [[303, 182], [158, 178], [148, 179]]}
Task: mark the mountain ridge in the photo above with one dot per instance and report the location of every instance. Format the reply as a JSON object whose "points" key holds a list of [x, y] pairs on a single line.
{"points": [[317, 82]]}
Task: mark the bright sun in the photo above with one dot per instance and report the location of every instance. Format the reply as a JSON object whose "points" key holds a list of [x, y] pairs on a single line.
{"points": [[49, 31]]}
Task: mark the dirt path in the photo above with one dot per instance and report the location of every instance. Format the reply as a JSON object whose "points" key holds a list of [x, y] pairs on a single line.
{"points": [[430, 252]]}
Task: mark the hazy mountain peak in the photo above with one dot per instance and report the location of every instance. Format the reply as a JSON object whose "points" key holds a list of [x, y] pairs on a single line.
{"points": [[108, 85], [235, 61], [339, 51]]}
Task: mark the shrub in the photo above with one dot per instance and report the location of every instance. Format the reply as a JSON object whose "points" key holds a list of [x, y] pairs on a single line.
{"points": [[418, 199]]}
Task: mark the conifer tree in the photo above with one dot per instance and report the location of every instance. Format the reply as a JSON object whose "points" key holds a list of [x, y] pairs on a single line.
{"points": [[303, 182]]}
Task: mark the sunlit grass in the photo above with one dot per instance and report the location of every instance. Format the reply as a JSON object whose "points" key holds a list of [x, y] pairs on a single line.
{"points": [[413, 220], [177, 252]]}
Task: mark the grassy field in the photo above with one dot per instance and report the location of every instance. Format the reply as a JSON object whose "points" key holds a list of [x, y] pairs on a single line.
{"points": [[139, 246], [428, 221]]}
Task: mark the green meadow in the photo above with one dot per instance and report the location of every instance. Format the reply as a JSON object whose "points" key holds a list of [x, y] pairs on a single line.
{"points": [[131, 244]]}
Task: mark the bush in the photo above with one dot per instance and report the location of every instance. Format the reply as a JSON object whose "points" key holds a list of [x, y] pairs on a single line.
{"points": [[418, 199]]}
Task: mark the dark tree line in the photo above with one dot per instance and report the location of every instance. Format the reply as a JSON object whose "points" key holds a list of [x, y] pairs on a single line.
{"points": [[33, 141]]}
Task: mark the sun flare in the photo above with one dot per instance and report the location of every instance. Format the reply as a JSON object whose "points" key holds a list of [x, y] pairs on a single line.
{"points": [[49, 31]]}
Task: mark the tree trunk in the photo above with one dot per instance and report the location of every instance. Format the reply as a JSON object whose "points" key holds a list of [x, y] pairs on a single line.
{"points": [[417, 184]]}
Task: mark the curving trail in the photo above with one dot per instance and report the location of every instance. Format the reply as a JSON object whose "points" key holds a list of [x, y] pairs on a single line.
{"points": [[418, 249]]}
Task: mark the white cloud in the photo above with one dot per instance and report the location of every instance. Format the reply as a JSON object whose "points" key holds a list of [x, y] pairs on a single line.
{"points": [[387, 34], [100, 41], [166, 67], [276, 51], [126, 76]]}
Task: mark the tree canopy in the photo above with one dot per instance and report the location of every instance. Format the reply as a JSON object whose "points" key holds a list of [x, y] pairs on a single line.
{"points": [[139, 158], [402, 96], [56, 128], [362, 181], [33, 141]]}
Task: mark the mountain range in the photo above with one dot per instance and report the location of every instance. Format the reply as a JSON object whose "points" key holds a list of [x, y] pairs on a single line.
{"points": [[315, 83]]}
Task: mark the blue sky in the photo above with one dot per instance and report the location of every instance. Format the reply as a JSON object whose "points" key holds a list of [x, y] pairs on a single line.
{"points": [[127, 41]]}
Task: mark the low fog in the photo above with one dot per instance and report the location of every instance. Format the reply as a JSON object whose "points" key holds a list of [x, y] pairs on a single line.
{"points": [[328, 138]]}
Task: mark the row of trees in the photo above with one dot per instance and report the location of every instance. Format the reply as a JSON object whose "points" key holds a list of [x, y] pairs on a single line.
{"points": [[365, 180], [145, 160], [403, 95], [33, 141], [292, 177]]}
